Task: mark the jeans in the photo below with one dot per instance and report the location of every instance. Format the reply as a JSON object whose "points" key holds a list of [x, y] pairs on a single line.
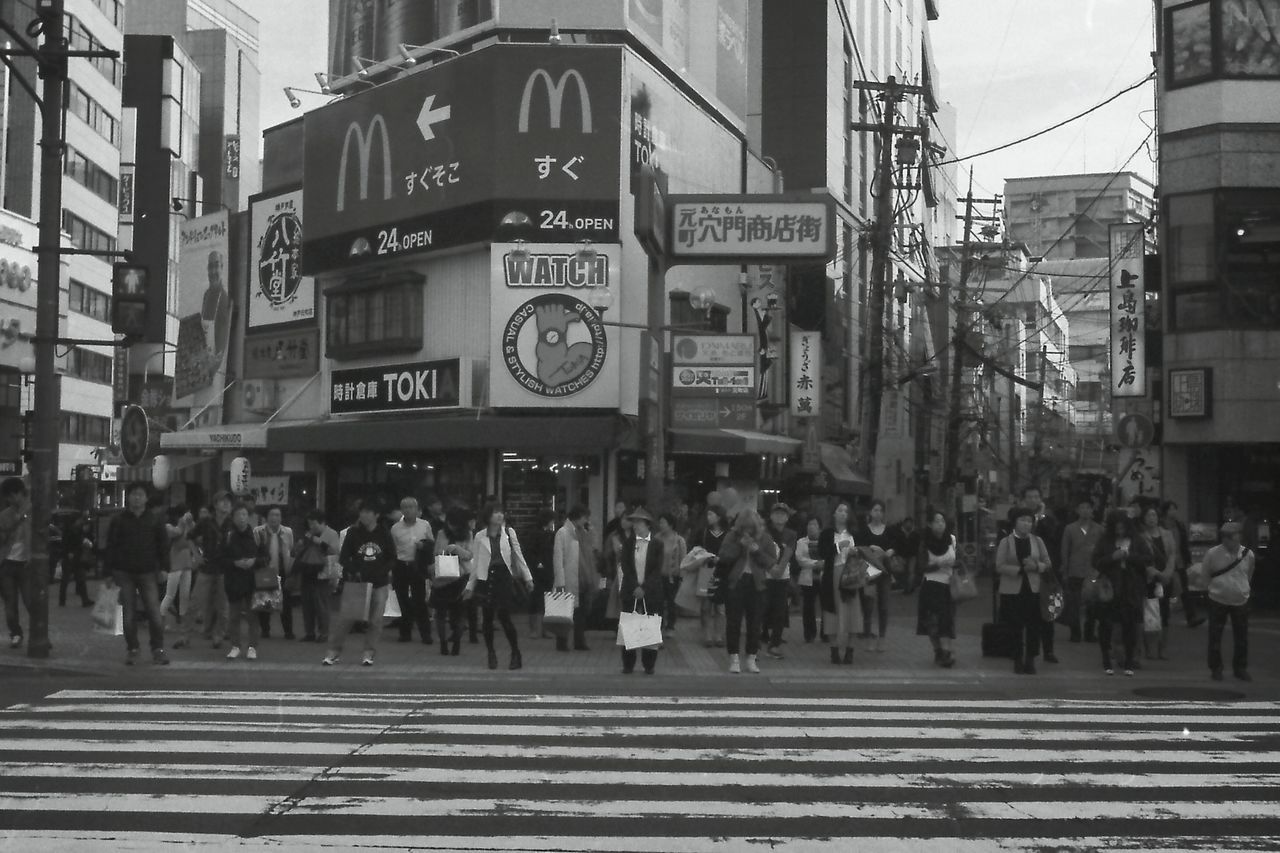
{"points": [[1074, 610], [178, 586], [209, 605], [1239, 616], [777, 596], [743, 601], [877, 602], [1129, 623], [144, 586], [13, 587], [73, 568], [410, 586], [317, 596], [242, 612], [377, 606], [809, 612], [1022, 611]]}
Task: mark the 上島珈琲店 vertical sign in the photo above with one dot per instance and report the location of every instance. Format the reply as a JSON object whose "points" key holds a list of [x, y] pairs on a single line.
{"points": [[1128, 311]]}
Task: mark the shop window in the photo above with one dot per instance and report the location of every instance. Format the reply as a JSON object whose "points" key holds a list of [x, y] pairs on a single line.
{"points": [[1222, 39], [374, 315]]}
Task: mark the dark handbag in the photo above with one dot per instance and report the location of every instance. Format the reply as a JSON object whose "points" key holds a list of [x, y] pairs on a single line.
{"points": [[265, 578], [1099, 590]]}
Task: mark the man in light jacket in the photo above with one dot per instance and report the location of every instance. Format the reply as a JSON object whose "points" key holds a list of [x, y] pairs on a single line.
{"points": [[566, 561], [1229, 569], [1079, 539], [277, 542], [1021, 559]]}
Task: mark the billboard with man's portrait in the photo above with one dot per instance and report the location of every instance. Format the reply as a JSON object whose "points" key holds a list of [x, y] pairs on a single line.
{"points": [[205, 309]]}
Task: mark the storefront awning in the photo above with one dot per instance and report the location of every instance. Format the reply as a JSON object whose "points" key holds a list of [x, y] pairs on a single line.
{"points": [[837, 476], [221, 437], [730, 442], [590, 432], [142, 473]]}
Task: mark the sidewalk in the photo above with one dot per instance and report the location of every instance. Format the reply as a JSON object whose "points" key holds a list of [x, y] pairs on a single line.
{"points": [[906, 660]]}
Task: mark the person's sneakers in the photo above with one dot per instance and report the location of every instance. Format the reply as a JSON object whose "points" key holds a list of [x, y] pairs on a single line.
{"points": [[234, 653], [1109, 671], [131, 657], [1243, 675], [367, 660], [774, 652], [158, 656], [1215, 674], [330, 659], [15, 640], [1129, 673], [252, 653], [735, 664], [752, 666]]}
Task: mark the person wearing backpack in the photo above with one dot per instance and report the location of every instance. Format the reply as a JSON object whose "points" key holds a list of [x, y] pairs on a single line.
{"points": [[1228, 568]]}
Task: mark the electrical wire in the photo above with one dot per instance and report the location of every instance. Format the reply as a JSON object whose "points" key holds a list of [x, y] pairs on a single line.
{"points": [[1053, 127]]}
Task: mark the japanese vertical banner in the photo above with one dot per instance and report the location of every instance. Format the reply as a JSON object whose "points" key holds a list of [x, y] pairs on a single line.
{"points": [[806, 373], [1128, 311]]}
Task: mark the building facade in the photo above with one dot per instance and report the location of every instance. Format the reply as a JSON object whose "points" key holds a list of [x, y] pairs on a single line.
{"points": [[1060, 217], [1219, 98]]}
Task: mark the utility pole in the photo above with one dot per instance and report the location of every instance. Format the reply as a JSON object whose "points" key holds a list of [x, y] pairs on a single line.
{"points": [[1033, 475], [891, 92], [48, 391], [958, 343]]}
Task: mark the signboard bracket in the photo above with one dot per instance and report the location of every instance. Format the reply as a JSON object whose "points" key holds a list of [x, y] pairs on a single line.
{"points": [[294, 398]]}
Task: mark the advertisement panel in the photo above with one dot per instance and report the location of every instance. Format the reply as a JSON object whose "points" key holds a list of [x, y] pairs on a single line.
{"points": [[706, 40], [735, 381], [713, 349], [415, 387], [548, 346], [205, 307], [730, 228], [282, 354], [17, 289], [374, 29], [1128, 311], [437, 159], [279, 293]]}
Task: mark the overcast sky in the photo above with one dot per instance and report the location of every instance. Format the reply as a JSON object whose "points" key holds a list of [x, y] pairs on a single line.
{"points": [[1010, 67]]}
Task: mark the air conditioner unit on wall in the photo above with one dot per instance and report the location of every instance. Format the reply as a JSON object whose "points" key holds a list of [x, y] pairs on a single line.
{"points": [[261, 395]]}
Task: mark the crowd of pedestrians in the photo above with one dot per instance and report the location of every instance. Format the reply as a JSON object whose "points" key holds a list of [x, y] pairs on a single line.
{"points": [[223, 572]]}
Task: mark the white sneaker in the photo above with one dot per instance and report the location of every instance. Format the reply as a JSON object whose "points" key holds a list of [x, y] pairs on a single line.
{"points": [[368, 659], [734, 665], [751, 664], [252, 654], [330, 659], [234, 653]]}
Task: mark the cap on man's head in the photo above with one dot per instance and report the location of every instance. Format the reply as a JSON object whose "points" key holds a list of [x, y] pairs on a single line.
{"points": [[640, 514]]}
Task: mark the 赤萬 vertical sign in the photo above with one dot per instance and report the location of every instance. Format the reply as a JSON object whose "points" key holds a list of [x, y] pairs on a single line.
{"points": [[1128, 316], [805, 373]]}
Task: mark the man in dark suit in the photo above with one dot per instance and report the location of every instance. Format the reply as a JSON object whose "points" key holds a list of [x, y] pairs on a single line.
{"points": [[640, 565]]}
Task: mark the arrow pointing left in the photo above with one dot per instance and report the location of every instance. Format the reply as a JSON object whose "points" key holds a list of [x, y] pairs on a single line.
{"points": [[430, 115]]}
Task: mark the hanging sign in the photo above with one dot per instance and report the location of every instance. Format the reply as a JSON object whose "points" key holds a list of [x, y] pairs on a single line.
{"points": [[1128, 311], [805, 373]]}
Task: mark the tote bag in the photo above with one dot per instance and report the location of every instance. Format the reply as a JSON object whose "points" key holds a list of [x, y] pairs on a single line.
{"points": [[558, 608], [639, 630], [447, 567], [108, 613], [963, 587]]}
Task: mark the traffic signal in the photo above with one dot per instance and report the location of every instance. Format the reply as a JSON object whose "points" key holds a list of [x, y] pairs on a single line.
{"points": [[129, 286]]}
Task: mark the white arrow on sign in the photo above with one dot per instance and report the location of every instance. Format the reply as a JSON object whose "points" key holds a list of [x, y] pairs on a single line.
{"points": [[431, 114]]}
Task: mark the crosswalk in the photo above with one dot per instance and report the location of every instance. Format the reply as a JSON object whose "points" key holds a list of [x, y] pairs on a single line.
{"points": [[125, 770]]}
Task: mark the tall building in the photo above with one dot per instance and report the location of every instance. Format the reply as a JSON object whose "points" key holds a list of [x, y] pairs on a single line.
{"points": [[1067, 216], [90, 195], [222, 40], [1220, 238]]}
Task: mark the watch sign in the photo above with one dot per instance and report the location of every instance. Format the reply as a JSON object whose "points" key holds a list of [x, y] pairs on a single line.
{"points": [[414, 387]]}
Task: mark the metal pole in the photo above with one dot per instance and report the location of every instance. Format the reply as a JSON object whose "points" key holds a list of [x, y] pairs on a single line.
{"points": [[46, 432], [656, 467], [880, 272], [959, 342]]}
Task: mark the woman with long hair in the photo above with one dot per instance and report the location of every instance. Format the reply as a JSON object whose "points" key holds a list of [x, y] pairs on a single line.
{"points": [[746, 556], [452, 539], [878, 544], [182, 562], [1122, 559], [1159, 581], [936, 612], [841, 617], [498, 564], [710, 539]]}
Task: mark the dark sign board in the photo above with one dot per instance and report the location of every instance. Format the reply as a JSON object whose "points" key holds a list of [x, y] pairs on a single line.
{"points": [[712, 413], [10, 467], [437, 158], [281, 355], [418, 386]]}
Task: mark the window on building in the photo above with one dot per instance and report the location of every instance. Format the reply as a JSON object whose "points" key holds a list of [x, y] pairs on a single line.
{"points": [[1223, 253], [1210, 39], [83, 299], [78, 428], [89, 366], [93, 114], [113, 9], [90, 175], [79, 38], [85, 236], [376, 315]]}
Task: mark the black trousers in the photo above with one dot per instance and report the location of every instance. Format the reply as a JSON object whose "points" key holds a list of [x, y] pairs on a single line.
{"points": [[809, 612], [743, 603], [777, 596], [648, 659], [1129, 623], [410, 586], [1219, 615], [73, 568], [1022, 611]]}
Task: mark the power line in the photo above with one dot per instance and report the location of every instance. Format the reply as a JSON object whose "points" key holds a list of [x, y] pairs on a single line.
{"points": [[1053, 127]]}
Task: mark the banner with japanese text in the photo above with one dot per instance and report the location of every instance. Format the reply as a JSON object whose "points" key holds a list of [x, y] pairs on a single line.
{"points": [[1128, 311], [805, 373], [278, 291]]}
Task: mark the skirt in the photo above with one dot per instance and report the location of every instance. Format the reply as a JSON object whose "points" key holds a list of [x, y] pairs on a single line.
{"points": [[936, 612], [448, 595], [497, 590]]}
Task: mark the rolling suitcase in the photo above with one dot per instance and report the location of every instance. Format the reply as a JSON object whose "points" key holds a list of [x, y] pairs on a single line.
{"points": [[998, 638]]}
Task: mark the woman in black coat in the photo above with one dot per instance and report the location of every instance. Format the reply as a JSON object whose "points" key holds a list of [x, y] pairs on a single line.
{"points": [[838, 612], [1122, 558]]}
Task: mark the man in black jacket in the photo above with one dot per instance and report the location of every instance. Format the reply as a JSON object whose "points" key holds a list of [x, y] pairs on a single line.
{"points": [[137, 555], [640, 564], [367, 556], [208, 593]]}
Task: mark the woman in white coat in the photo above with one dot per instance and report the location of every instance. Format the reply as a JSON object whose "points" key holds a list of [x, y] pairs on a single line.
{"points": [[497, 565]]}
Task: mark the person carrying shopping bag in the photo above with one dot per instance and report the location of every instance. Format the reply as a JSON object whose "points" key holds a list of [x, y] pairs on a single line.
{"points": [[641, 586], [498, 566]]}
